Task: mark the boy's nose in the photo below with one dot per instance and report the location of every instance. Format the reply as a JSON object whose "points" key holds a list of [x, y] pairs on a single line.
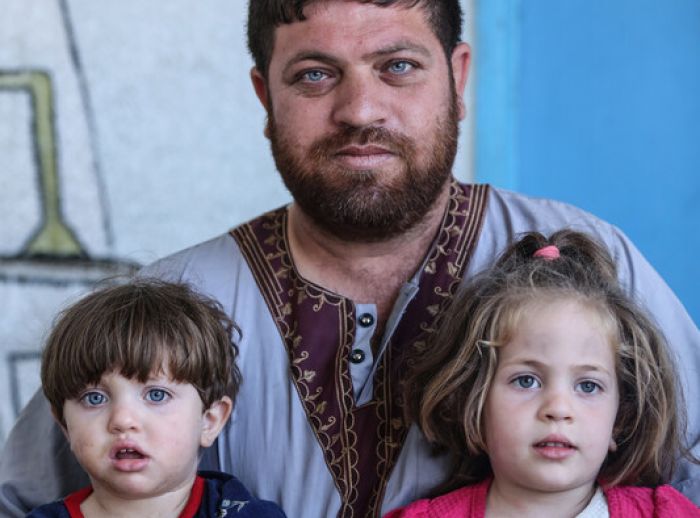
{"points": [[123, 418]]}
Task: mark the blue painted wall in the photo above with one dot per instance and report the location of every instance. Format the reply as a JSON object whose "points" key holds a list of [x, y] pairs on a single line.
{"points": [[597, 103]]}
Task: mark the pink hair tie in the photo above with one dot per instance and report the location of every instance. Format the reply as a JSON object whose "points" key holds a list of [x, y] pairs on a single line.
{"points": [[548, 253]]}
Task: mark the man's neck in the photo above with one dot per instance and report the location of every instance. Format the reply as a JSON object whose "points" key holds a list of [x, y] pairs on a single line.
{"points": [[365, 272]]}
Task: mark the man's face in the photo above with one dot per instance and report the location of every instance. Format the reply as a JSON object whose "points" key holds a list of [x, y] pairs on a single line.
{"points": [[363, 116]]}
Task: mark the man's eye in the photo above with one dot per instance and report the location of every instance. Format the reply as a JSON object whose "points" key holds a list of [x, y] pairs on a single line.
{"points": [[94, 398], [157, 395], [400, 67], [526, 381], [313, 76], [589, 387]]}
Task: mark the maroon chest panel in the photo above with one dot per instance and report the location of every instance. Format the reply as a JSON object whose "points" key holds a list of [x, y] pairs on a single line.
{"points": [[360, 444]]}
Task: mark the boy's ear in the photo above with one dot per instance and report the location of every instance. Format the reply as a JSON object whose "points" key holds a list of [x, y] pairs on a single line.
{"points": [[60, 423], [214, 419]]}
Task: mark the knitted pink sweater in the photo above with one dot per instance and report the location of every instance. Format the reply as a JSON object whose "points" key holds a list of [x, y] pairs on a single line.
{"points": [[623, 502]]}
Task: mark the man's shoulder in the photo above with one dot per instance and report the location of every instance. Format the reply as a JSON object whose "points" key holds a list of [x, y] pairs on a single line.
{"points": [[214, 255], [509, 214]]}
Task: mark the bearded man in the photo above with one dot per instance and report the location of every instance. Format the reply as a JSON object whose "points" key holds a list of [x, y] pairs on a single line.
{"points": [[363, 98]]}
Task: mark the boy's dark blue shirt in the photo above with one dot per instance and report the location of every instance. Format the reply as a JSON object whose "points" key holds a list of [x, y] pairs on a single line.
{"points": [[224, 496]]}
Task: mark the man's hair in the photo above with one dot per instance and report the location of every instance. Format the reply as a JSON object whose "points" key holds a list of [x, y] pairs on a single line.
{"points": [[448, 385], [137, 329], [264, 16]]}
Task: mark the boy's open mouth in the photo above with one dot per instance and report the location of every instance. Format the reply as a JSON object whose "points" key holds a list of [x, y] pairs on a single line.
{"points": [[128, 453]]}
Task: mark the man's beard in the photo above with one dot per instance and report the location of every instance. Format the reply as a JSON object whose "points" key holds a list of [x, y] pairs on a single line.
{"points": [[358, 205]]}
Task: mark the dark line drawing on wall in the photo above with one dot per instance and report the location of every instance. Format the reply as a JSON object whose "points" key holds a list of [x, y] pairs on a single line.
{"points": [[54, 245], [54, 237], [93, 133]]}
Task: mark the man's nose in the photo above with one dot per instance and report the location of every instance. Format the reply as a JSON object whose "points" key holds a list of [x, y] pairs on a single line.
{"points": [[556, 405], [360, 100], [123, 417]]}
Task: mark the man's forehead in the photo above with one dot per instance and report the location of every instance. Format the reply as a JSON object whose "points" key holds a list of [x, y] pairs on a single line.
{"points": [[343, 24]]}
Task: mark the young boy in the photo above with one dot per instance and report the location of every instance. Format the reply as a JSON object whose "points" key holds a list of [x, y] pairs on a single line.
{"points": [[140, 377]]}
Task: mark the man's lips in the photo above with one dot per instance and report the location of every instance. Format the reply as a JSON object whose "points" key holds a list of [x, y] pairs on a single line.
{"points": [[364, 150], [364, 157]]}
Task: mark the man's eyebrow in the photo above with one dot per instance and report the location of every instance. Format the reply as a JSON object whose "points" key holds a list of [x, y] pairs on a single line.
{"points": [[317, 55], [400, 46], [310, 55]]}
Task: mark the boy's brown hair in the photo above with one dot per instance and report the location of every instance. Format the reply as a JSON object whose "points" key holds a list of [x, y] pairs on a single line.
{"points": [[138, 329], [449, 380]]}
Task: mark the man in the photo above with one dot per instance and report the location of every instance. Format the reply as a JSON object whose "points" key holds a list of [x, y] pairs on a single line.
{"points": [[363, 99]]}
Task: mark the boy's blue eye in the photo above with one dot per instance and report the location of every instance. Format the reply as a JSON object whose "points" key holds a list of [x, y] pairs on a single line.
{"points": [[588, 387], [156, 395], [526, 381], [94, 398]]}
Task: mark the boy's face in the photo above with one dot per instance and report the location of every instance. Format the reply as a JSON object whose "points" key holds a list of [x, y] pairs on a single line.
{"points": [[141, 440]]}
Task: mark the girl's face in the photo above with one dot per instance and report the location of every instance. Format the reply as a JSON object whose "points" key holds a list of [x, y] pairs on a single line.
{"points": [[551, 408]]}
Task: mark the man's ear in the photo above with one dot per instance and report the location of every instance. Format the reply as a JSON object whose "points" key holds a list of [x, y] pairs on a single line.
{"points": [[214, 419], [260, 87], [461, 57]]}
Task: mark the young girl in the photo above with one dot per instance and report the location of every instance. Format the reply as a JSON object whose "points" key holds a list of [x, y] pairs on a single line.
{"points": [[551, 391]]}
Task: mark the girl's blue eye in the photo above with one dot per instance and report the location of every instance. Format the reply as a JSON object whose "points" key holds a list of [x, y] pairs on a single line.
{"points": [[526, 381], [156, 395], [588, 387], [94, 398]]}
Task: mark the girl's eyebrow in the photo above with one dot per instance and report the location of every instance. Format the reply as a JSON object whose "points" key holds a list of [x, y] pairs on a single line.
{"points": [[539, 365]]}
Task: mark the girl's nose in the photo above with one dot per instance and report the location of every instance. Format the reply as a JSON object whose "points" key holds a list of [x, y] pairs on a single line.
{"points": [[556, 406]]}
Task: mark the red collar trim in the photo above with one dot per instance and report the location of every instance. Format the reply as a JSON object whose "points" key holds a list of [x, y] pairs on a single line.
{"points": [[74, 500], [192, 505]]}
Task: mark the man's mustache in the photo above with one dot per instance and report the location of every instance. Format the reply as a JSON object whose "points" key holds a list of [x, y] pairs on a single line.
{"points": [[392, 141]]}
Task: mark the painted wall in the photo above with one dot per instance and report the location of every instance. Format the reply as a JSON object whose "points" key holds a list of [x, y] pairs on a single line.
{"points": [[596, 103], [128, 130]]}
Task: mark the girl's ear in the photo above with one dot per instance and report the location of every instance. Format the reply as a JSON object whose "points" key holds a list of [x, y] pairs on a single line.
{"points": [[214, 419], [613, 445]]}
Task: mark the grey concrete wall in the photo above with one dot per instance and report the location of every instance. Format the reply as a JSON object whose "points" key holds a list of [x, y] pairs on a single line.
{"points": [[128, 130]]}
